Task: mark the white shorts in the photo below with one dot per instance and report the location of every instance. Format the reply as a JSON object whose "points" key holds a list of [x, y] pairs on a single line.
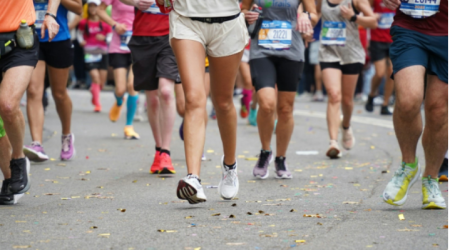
{"points": [[218, 39], [246, 56]]}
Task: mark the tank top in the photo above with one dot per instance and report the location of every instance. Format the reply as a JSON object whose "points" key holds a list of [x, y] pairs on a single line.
{"points": [[61, 17], [381, 33], [339, 41]]}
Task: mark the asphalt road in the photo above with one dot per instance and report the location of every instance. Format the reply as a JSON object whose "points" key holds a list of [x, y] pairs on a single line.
{"points": [[106, 199]]}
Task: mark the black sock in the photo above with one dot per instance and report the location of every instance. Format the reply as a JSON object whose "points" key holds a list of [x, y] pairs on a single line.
{"points": [[345, 128], [158, 149], [165, 151], [370, 99], [280, 159], [232, 166]]}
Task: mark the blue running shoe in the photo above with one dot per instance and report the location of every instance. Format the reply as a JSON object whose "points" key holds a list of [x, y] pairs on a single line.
{"points": [[252, 117]]}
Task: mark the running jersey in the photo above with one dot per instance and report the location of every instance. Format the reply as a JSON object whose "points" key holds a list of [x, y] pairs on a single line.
{"points": [[123, 14], [208, 8], [436, 25], [13, 12], [381, 33], [150, 22], [61, 18], [278, 35], [89, 30], [339, 41]]}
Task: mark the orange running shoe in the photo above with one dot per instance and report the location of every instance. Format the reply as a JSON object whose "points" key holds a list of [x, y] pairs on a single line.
{"points": [[156, 166], [244, 111], [166, 166], [97, 108], [114, 112]]}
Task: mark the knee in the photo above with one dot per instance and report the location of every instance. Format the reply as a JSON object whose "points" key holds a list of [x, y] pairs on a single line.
{"points": [[166, 94], [60, 96], [267, 106], [407, 108], [436, 113], [120, 91], [223, 104], [8, 109], [180, 109], [334, 97], [347, 101], [379, 75], [285, 111], [195, 101]]}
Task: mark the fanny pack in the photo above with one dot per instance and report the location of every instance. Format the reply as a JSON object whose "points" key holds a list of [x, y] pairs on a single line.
{"points": [[211, 20], [7, 43]]}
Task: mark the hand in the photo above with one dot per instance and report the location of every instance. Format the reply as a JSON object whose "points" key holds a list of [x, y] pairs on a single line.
{"points": [[100, 37], [144, 4], [251, 16], [51, 25], [304, 24], [377, 16], [82, 44], [308, 38], [347, 13], [120, 28], [392, 4]]}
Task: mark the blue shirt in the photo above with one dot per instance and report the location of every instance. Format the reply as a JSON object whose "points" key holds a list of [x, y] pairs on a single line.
{"points": [[61, 18]]}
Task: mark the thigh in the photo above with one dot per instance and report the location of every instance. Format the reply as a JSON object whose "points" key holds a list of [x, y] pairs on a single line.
{"points": [[264, 73], [332, 78], [349, 83], [409, 84], [285, 100], [58, 78], [436, 95], [288, 74], [36, 85], [223, 71], [14, 83]]}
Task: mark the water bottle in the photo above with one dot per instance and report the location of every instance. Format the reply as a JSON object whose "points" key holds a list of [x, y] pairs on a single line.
{"points": [[25, 36]]}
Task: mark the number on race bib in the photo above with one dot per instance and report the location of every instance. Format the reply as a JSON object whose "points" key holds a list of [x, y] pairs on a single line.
{"points": [[275, 35], [125, 39], [333, 33], [420, 8], [41, 9]]}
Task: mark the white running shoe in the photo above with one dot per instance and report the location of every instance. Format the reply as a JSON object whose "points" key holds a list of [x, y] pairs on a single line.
{"points": [[190, 189], [431, 194], [229, 185], [348, 139]]}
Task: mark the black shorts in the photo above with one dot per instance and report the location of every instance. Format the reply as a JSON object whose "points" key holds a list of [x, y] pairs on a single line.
{"points": [[152, 58], [379, 50], [268, 71], [118, 60], [101, 65], [57, 54], [20, 57], [347, 69]]}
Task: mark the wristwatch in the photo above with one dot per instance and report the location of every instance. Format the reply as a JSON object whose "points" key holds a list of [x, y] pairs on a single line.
{"points": [[353, 18], [309, 15]]}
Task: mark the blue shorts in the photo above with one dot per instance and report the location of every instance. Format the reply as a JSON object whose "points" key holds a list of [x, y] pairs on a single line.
{"points": [[410, 48]]}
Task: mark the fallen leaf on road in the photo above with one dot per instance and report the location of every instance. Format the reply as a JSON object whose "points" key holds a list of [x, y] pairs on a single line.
{"points": [[134, 181], [235, 244], [232, 216], [312, 215], [435, 245], [188, 217], [350, 202], [21, 247], [407, 230], [269, 235], [416, 225], [51, 193], [300, 241], [293, 210], [94, 227], [166, 231], [106, 235], [209, 151], [401, 217], [121, 210], [251, 158], [233, 205], [216, 214], [249, 213], [46, 169], [348, 168]]}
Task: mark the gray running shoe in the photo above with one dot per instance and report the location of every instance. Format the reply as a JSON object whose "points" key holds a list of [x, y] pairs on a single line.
{"points": [[260, 170], [281, 169]]}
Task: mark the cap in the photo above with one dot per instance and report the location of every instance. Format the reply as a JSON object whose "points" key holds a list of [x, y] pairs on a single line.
{"points": [[96, 2]]}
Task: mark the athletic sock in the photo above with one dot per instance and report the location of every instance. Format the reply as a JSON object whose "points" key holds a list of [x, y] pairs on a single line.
{"points": [[158, 149], [119, 100], [95, 90], [164, 151], [232, 166], [412, 165], [131, 108], [247, 97], [370, 99], [345, 128]]}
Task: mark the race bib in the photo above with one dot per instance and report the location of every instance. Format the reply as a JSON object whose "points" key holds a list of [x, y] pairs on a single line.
{"points": [[333, 33], [90, 58], [386, 20], [40, 7], [420, 8], [124, 39], [154, 9], [275, 35]]}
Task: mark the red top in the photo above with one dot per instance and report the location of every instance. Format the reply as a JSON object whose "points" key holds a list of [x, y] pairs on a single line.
{"points": [[151, 23], [436, 25], [381, 33]]}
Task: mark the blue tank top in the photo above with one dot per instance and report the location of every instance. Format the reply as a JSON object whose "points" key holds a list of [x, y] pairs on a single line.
{"points": [[61, 17]]}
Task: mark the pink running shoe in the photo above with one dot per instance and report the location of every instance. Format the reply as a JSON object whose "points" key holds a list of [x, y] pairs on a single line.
{"points": [[35, 152], [67, 149]]}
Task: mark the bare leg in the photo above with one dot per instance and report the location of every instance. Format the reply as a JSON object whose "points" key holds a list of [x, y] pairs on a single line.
{"points": [[103, 77], [318, 77], [191, 64], [407, 119], [223, 72], [266, 115], [380, 72], [179, 95], [285, 125], [348, 90], [15, 82], [207, 91], [58, 82], [130, 80], [5, 156], [120, 79], [389, 85], [435, 134], [167, 110], [332, 80], [153, 114], [35, 110]]}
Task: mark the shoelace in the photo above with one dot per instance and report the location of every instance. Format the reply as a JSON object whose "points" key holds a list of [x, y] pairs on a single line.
{"points": [[262, 159], [432, 188], [191, 176], [16, 172], [230, 176], [35, 143], [66, 143], [398, 180]]}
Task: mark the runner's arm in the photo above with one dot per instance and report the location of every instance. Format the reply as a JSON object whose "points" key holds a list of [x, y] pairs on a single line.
{"points": [[76, 6], [75, 22], [101, 12], [367, 20], [50, 23], [310, 6], [319, 9], [250, 16]]}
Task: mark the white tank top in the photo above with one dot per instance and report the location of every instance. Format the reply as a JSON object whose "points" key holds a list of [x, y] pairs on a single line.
{"points": [[206, 8]]}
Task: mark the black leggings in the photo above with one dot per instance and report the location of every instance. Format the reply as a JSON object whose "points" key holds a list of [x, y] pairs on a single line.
{"points": [[268, 71], [347, 69]]}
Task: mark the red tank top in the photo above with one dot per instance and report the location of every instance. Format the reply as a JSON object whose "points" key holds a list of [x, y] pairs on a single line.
{"points": [[436, 25], [381, 33]]}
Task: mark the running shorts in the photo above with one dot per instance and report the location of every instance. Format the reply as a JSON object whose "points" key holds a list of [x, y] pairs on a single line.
{"points": [[57, 54], [20, 57], [246, 56], [314, 52], [268, 71], [378, 50], [2, 129], [347, 69], [102, 65], [119, 60], [152, 58], [411, 48], [218, 39]]}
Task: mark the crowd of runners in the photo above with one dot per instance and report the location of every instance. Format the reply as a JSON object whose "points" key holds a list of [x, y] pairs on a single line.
{"points": [[180, 52]]}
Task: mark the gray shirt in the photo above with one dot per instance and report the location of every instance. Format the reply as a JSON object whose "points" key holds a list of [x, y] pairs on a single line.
{"points": [[281, 10]]}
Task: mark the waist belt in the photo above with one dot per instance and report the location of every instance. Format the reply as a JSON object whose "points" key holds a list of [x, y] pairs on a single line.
{"points": [[215, 19]]}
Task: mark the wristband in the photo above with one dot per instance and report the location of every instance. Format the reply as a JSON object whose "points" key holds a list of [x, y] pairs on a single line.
{"points": [[353, 18], [309, 14], [50, 14]]}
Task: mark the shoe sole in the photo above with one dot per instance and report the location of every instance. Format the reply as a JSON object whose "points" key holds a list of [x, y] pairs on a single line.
{"points": [[154, 172], [283, 177], [187, 192], [34, 156], [433, 205], [267, 172], [74, 150], [333, 153], [14, 201], [411, 183], [131, 137], [167, 171]]}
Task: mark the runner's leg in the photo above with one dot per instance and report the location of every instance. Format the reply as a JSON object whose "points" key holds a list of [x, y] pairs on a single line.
{"points": [[348, 91], [153, 113], [266, 115], [35, 110], [332, 80], [389, 84], [5, 156], [166, 111], [58, 83], [285, 125]]}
